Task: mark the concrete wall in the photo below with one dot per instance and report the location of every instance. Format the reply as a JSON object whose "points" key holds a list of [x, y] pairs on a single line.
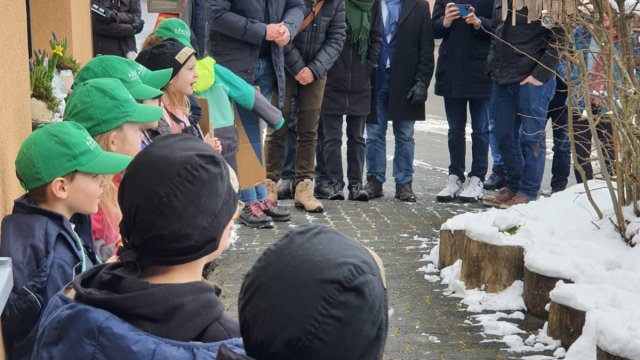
{"points": [[15, 110], [67, 18]]}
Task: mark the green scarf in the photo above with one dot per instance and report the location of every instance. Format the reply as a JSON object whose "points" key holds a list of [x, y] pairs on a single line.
{"points": [[358, 14]]}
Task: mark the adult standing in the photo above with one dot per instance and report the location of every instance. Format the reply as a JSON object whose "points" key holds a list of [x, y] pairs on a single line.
{"points": [[348, 92], [115, 25], [247, 37], [308, 59], [462, 80], [522, 64], [404, 72]]}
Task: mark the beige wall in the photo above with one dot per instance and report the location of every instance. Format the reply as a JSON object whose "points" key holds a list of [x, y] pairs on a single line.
{"points": [[67, 18], [15, 124]]}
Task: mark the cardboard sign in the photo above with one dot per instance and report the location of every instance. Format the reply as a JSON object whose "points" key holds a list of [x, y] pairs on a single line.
{"points": [[250, 156], [165, 6]]}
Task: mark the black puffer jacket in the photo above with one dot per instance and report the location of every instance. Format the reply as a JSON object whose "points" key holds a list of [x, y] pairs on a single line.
{"points": [[505, 65], [319, 45], [117, 37], [348, 90]]}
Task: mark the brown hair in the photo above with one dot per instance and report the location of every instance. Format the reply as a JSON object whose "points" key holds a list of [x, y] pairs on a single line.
{"points": [[175, 100], [109, 198], [150, 41], [38, 195]]}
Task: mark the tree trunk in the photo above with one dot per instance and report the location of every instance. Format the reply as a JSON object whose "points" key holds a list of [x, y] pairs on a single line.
{"points": [[496, 267], [451, 246], [536, 292], [565, 323]]}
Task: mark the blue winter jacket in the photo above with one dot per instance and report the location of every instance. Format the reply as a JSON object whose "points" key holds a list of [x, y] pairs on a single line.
{"points": [[70, 329], [46, 255]]}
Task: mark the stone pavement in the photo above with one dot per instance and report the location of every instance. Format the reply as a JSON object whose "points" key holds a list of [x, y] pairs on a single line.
{"points": [[426, 324]]}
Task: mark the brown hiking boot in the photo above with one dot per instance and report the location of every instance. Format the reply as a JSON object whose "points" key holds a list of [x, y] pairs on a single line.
{"points": [[503, 196], [515, 200], [272, 190], [304, 197]]}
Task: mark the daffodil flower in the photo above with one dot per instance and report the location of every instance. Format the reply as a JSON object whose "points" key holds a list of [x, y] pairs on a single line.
{"points": [[58, 50]]}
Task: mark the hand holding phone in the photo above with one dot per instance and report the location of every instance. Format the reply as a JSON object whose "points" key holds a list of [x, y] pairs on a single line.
{"points": [[464, 9]]}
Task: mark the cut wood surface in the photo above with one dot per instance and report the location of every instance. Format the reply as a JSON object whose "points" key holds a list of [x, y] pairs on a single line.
{"points": [[603, 355], [451, 246], [536, 292], [492, 266], [565, 323]]}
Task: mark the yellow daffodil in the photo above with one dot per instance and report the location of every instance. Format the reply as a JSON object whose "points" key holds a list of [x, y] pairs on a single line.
{"points": [[58, 50]]}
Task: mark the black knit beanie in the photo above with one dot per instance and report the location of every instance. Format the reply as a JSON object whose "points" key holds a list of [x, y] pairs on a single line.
{"points": [[169, 54], [177, 199]]}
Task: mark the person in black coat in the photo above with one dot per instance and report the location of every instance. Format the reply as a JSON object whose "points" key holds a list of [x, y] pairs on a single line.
{"points": [[461, 79], [348, 92], [114, 30], [404, 72]]}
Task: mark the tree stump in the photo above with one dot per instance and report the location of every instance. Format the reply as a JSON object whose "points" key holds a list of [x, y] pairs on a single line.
{"points": [[451, 246], [494, 266], [536, 292], [565, 323], [603, 355]]}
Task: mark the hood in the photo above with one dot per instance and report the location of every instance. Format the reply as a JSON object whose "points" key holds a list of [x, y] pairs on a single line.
{"points": [[171, 311]]}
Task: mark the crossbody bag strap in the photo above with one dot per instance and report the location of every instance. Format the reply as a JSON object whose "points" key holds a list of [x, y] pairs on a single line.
{"points": [[312, 15]]}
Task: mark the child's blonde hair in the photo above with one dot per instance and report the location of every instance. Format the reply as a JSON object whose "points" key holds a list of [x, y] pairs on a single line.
{"points": [[109, 198], [150, 41]]}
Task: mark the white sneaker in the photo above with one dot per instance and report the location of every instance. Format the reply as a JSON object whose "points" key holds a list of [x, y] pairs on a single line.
{"points": [[451, 190], [473, 190]]}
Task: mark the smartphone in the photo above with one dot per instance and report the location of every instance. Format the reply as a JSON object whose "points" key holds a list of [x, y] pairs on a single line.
{"points": [[464, 9]]}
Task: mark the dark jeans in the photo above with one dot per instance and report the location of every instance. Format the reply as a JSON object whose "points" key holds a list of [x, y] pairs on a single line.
{"points": [[561, 164], [456, 110], [583, 143], [333, 147], [520, 115], [308, 101]]}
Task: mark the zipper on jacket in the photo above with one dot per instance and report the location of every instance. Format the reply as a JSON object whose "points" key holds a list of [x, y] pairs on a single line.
{"points": [[349, 78]]}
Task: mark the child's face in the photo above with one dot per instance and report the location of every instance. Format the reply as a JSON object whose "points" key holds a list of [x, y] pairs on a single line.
{"points": [[183, 82], [128, 139], [83, 193]]}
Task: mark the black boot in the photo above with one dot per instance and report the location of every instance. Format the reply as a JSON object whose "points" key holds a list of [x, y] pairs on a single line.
{"points": [[497, 180], [322, 190], [253, 217], [357, 192], [277, 213], [285, 189], [373, 187], [336, 190], [405, 193]]}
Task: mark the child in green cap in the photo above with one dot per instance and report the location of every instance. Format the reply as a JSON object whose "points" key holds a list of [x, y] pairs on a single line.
{"points": [[48, 234], [115, 120]]}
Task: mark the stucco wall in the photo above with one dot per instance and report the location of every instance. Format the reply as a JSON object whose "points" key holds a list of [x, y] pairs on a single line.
{"points": [[15, 124], [67, 18]]}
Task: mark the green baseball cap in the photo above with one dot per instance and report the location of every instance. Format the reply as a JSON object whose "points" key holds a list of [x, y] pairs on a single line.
{"points": [[101, 105], [174, 28], [142, 83], [60, 148]]}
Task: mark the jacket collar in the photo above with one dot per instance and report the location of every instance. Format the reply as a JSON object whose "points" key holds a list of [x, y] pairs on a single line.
{"points": [[407, 8]]}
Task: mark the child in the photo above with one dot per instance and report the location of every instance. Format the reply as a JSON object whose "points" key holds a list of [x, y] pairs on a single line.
{"points": [[315, 294], [178, 207], [48, 235], [115, 120]]}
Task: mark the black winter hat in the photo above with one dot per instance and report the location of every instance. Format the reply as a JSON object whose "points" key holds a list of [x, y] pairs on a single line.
{"points": [[169, 54], [176, 198], [315, 295]]}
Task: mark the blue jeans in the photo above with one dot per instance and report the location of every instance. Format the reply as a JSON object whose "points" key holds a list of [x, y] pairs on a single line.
{"points": [[288, 170], [497, 164], [520, 115], [266, 80], [376, 143], [456, 110]]}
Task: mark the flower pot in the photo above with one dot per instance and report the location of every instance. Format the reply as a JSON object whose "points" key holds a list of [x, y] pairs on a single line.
{"points": [[39, 111]]}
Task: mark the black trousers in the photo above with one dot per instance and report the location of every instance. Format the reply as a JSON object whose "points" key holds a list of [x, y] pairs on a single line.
{"points": [[332, 126], [584, 143]]}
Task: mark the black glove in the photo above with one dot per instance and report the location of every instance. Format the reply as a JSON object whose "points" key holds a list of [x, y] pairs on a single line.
{"points": [[108, 15], [418, 94], [138, 25]]}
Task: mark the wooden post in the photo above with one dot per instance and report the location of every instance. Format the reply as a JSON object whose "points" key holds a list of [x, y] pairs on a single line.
{"points": [[565, 323], [536, 292], [496, 267], [603, 355], [451, 246]]}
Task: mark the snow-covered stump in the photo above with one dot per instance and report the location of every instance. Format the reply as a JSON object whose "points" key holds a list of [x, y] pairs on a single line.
{"points": [[603, 355], [451, 247], [536, 292], [492, 267], [565, 323]]}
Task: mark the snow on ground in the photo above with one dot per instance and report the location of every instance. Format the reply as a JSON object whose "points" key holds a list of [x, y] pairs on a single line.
{"points": [[564, 238]]}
